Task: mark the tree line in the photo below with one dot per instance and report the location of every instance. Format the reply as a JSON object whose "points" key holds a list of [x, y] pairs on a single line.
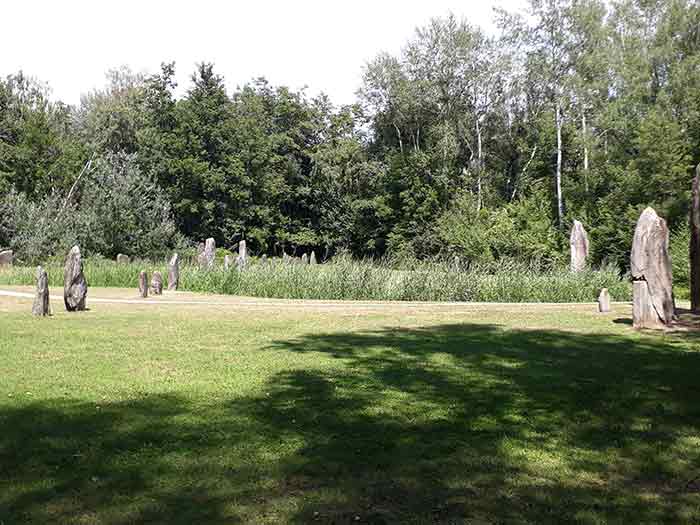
{"points": [[483, 145]]}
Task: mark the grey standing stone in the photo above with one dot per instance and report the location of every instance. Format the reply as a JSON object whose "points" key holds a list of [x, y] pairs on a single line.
{"points": [[456, 262], [41, 305], [228, 262], [695, 243], [206, 257], [174, 272], [75, 286], [312, 259], [304, 259], [285, 257], [263, 259], [578, 241], [650, 265], [157, 283], [604, 301], [6, 257], [143, 284], [123, 259]]}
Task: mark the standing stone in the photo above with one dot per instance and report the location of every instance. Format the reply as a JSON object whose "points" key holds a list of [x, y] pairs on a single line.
{"points": [[579, 247], [456, 262], [41, 301], [123, 259], [650, 266], [174, 272], [604, 301], [143, 284], [6, 257], [75, 286], [285, 257], [312, 259], [304, 259], [242, 251], [263, 259], [157, 283], [695, 243], [206, 257], [228, 262]]}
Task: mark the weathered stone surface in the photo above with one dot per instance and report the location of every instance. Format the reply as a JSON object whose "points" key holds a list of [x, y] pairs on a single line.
{"points": [[157, 283], [650, 263], [456, 262], [644, 314], [6, 257], [243, 251], [123, 259], [174, 272], [312, 258], [75, 286], [695, 243], [304, 259], [578, 241], [206, 257], [604, 301], [41, 305], [143, 284], [228, 262]]}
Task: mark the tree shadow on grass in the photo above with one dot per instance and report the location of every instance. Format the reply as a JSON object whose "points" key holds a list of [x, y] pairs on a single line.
{"points": [[443, 424]]}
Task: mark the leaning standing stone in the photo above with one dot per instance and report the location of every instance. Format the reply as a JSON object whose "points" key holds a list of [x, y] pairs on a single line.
{"points": [[122, 259], [206, 258], [174, 272], [579, 247], [604, 301], [143, 284], [41, 300], [6, 258], [157, 283], [695, 243], [74, 284], [650, 266]]}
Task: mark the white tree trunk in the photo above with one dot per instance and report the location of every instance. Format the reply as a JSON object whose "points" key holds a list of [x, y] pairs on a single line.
{"points": [[584, 130], [560, 202], [479, 164]]}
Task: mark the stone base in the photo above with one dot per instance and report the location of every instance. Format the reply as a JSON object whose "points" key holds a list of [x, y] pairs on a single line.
{"points": [[643, 313]]}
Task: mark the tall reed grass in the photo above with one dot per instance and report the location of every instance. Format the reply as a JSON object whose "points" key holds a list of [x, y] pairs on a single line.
{"points": [[351, 279]]}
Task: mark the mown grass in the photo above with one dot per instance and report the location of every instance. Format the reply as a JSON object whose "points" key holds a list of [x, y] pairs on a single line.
{"points": [[344, 278], [168, 414]]}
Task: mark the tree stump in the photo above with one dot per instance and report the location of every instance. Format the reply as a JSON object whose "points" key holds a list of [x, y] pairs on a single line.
{"points": [[578, 241], [604, 301], [41, 305], [695, 243], [174, 272], [143, 284], [650, 267], [157, 283], [74, 284]]}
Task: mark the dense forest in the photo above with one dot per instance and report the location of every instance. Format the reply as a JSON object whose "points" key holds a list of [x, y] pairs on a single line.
{"points": [[483, 145]]}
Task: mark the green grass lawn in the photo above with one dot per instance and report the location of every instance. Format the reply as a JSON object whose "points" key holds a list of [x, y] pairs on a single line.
{"points": [[220, 414]]}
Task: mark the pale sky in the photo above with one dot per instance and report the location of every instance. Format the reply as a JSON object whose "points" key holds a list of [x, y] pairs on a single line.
{"points": [[320, 43]]}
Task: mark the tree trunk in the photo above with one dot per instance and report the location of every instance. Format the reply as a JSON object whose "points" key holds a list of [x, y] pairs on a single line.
{"points": [[695, 243], [584, 130], [560, 203], [479, 164]]}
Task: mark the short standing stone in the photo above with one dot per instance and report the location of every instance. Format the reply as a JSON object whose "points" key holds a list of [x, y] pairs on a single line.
{"points": [[650, 267], [695, 243], [456, 262], [263, 259], [6, 258], [242, 250], [157, 283], [174, 272], [41, 300], [604, 301], [304, 259], [228, 262], [75, 286], [206, 258], [579, 247], [123, 259], [312, 259], [143, 284]]}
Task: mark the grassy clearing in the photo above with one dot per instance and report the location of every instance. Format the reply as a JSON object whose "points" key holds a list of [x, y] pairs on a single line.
{"points": [[168, 414], [349, 279]]}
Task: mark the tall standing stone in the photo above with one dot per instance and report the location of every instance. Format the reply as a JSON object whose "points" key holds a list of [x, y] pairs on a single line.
{"points": [[206, 258], [75, 286], [157, 283], [312, 259], [143, 284], [579, 247], [123, 259], [304, 259], [604, 301], [6, 257], [650, 266], [41, 300], [174, 272], [242, 259], [695, 243]]}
